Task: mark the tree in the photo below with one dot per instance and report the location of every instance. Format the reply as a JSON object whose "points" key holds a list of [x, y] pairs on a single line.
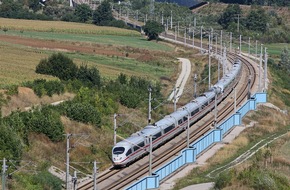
{"points": [[285, 59], [230, 15], [103, 15], [257, 20], [152, 29], [58, 65], [83, 12]]}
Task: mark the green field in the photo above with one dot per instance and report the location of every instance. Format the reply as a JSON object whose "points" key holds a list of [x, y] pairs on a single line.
{"points": [[132, 41]]}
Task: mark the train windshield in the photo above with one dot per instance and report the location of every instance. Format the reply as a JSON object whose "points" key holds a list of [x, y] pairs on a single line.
{"points": [[118, 150]]}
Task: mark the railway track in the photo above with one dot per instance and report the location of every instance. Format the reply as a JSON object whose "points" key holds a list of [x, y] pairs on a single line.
{"points": [[120, 178]]}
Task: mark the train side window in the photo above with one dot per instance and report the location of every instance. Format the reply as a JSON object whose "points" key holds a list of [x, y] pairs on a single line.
{"points": [[179, 121], [168, 128], [194, 112], [141, 144], [185, 118], [157, 135], [135, 148], [129, 152]]}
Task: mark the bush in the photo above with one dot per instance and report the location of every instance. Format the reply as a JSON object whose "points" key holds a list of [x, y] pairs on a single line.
{"points": [[58, 65], [89, 76], [42, 87], [47, 181], [82, 112], [10, 143]]}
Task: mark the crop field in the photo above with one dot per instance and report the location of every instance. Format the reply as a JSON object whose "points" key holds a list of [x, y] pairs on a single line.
{"points": [[18, 64], [65, 27], [132, 41]]}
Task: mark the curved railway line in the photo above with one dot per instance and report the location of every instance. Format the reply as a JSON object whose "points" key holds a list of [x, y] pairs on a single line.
{"points": [[120, 178]]}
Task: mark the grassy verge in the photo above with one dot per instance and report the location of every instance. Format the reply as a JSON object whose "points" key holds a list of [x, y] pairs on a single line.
{"points": [[268, 126]]}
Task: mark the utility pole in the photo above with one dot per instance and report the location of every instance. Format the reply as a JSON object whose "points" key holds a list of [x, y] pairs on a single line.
{"points": [[67, 180], [235, 104], [193, 38], [74, 180], [71, 3], [175, 98], [171, 21], [215, 108], [4, 174], [177, 28], [231, 36], [175, 34], [201, 38], [260, 67], [187, 131], [149, 104], [249, 87], [256, 48], [152, 9], [162, 20], [249, 51], [216, 39], [185, 37], [150, 155], [240, 44], [95, 175], [221, 42], [238, 23], [265, 69], [209, 62], [115, 128], [195, 79]]}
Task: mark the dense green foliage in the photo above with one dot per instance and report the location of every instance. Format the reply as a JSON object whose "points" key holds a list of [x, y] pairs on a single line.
{"points": [[10, 143], [258, 2], [41, 180], [132, 92], [152, 29], [82, 112], [58, 65], [285, 60], [42, 87], [103, 15], [83, 12], [64, 68], [53, 10], [40, 120], [230, 16], [257, 20]]}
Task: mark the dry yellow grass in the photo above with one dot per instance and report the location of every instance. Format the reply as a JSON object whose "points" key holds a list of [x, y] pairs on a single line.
{"points": [[26, 98], [16, 69], [65, 27]]}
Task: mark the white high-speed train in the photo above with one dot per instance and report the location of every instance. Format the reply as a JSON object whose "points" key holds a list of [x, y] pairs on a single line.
{"points": [[137, 145]]}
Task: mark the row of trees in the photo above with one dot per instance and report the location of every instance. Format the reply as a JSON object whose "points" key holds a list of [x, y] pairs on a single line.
{"points": [[256, 20], [258, 2], [32, 9]]}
